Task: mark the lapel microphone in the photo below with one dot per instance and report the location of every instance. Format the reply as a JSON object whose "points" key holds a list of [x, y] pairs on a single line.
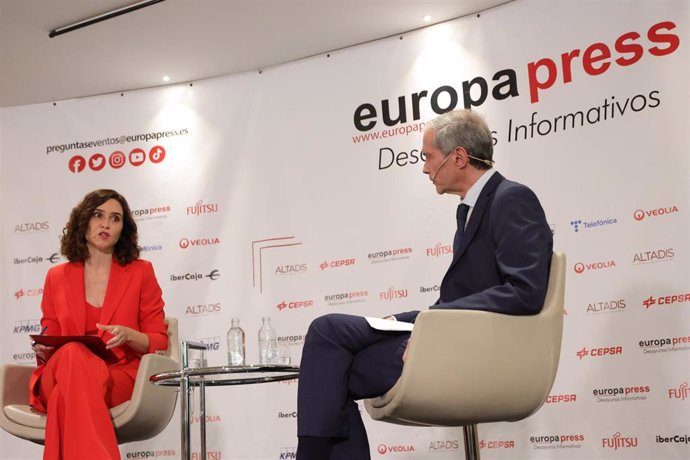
{"points": [[433, 176]]}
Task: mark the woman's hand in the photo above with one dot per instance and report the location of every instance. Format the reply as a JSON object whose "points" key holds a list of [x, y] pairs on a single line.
{"points": [[42, 352], [123, 335]]}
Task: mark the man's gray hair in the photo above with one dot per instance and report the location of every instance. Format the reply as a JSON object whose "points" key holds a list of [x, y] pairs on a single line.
{"points": [[466, 129]]}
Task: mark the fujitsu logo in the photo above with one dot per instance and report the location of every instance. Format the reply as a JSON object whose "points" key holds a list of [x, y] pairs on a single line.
{"points": [[618, 441], [580, 267], [385, 448], [658, 255], [666, 300], [392, 294], [598, 352], [641, 214], [202, 208], [682, 392], [292, 305], [439, 249], [185, 243]]}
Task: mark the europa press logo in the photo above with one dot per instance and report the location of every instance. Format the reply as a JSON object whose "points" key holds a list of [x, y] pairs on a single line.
{"points": [[116, 159]]}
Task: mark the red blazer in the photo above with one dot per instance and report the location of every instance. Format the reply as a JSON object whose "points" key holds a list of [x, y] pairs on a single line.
{"points": [[133, 298]]}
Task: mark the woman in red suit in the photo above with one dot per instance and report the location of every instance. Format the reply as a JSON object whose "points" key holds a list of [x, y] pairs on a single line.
{"points": [[104, 290]]}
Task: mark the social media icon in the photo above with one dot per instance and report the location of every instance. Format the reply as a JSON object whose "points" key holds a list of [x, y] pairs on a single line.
{"points": [[97, 162], [137, 157], [77, 164], [157, 154], [117, 159]]}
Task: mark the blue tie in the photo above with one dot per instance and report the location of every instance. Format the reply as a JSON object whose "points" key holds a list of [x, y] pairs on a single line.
{"points": [[461, 217]]}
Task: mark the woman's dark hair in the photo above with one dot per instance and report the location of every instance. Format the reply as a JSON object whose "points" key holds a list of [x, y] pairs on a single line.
{"points": [[73, 239]]}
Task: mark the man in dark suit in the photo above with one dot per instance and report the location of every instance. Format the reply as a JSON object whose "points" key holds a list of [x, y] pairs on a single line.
{"points": [[501, 256]]}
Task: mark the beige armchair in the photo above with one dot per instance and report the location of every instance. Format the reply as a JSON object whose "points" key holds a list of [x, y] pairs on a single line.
{"points": [[142, 417], [467, 367]]}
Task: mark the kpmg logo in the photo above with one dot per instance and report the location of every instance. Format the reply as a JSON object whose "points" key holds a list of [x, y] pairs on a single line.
{"points": [[53, 258], [393, 294], [618, 441], [578, 224], [212, 343], [389, 255], [599, 352], [384, 449], [618, 394], [28, 293], [211, 241], [666, 300], [682, 392], [340, 263], [439, 249], [294, 304], [665, 344], [657, 255], [202, 208], [31, 227], [213, 275], [203, 309], [581, 267], [641, 214], [154, 212], [288, 453], [346, 297], [606, 306], [27, 326], [557, 441]]}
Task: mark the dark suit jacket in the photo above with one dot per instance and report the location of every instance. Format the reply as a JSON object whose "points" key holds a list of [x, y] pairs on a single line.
{"points": [[133, 299], [503, 261]]}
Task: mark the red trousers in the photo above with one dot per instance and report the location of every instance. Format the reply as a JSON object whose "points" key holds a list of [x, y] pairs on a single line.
{"points": [[77, 388]]}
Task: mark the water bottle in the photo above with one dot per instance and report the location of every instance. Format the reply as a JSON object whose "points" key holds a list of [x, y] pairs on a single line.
{"points": [[235, 343], [268, 342]]}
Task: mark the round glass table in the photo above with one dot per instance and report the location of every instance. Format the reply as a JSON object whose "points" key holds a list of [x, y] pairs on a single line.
{"points": [[189, 378]]}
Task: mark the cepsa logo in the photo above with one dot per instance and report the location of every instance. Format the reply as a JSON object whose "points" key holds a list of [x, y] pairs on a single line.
{"points": [[555, 399], [211, 241], [31, 227], [27, 326], [141, 454], [294, 304], [557, 441], [581, 267], [641, 214], [340, 263], [618, 441], [389, 255], [53, 259], [439, 249], [203, 309], [28, 293], [658, 255], [599, 352], [384, 449], [202, 208], [116, 159], [497, 444], [154, 212], [393, 294], [665, 344], [666, 300], [213, 275], [449, 445], [346, 297], [606, 306], [682, 392]]}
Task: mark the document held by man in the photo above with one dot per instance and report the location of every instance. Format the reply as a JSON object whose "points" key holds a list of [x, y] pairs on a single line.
{"points": [[388, 325]]}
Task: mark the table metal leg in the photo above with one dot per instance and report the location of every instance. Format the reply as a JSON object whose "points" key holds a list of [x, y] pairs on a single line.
{"points": [[185, 415], [202, 418]]}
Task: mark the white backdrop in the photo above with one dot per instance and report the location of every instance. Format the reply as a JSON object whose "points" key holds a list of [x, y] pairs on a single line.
{"points": [[258, 195]]}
